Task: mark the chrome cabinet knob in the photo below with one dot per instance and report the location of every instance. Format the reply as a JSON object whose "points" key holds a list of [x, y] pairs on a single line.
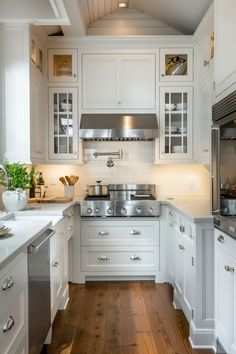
{"points": [[229, 269], [70, 228], [135, 232], [103, 258], [171, 213], [8, 283], [97, 210], [135, 258], [9, 324], [221, 239], [56, 264], [138, 210], [181, 247], [104, 233]]}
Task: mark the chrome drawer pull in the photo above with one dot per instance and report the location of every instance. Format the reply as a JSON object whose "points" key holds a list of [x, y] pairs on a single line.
{"points": [[9, 324], [171, 213], [181, 248], [103, 233], [229, 269], [135, 232], [8, 283], [221, 239], [103, 258], [69, 215], [182, 228], [135, 258]]}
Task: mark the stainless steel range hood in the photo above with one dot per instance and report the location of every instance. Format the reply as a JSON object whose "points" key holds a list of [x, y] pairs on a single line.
{"points": [[118, 127]]}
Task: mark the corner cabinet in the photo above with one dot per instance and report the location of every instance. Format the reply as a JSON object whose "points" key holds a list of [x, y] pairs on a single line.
{"points": [[119, 81], [62, 65], [63, 137], [176, 123], [176, 64]]}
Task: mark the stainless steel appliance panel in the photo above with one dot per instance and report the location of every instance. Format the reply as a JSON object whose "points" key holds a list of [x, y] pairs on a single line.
{"points": [[39, 291]]}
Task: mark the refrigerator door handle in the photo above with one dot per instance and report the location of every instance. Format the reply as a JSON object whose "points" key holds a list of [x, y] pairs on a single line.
{"points": [[215, 169]]}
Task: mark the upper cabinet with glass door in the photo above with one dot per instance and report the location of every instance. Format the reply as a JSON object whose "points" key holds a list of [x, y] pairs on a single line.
{"points": [[176, 64], [176, 123], [63, 139], [62, 65]]}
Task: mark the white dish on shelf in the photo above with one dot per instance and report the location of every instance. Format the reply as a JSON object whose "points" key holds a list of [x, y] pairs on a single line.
{"points": [[181, 107], [177, 149], [170, 107]]}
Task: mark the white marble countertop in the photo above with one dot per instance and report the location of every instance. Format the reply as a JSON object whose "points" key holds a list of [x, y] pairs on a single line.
{"points": [[22, 234], [195, 209]]}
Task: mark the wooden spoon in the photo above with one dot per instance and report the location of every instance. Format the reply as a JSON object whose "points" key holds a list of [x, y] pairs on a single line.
{"points": [[63, 181], [68, 180], [72, 179], [76, 179]]}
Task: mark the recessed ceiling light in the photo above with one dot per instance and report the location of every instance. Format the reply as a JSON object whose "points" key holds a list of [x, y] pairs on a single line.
{"points": [[122, 4]]}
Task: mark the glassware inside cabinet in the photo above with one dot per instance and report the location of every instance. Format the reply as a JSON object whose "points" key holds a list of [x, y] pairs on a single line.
{"points": [[63, 123], [176, 122]]}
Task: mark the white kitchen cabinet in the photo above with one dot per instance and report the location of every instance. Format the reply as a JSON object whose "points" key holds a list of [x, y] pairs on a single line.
{"points": [[203, 119], [176, 64], [124, 247], [225, 65], [119, 81], [14, 306], [225, 291], [59, 267], [38, 119], [63, 132], [176, 117], [62, 65], [191, 269], [184, 264]]}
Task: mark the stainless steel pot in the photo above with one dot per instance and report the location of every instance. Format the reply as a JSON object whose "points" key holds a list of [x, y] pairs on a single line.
{"points": [[95, 190]]}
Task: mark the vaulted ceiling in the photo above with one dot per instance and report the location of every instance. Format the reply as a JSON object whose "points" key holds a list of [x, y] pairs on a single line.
{"points": [[183, 16]]}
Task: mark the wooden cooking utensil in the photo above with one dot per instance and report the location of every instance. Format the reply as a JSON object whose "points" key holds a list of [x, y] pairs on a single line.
{"points": [[63, 181], [68, 180], [72, 179], [76, 179]]}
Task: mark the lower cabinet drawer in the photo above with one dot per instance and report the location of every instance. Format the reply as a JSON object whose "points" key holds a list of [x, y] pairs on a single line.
{"points": [[120, 232], [13, 319], [120, 258], [10, 277]]}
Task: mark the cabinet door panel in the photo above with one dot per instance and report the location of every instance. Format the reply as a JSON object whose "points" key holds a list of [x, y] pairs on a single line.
{"points": [[225, 286], [100, 81], [179, 262], [38, 119], [138, 81]]}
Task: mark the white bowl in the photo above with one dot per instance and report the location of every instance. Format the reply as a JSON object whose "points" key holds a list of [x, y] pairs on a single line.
{"points": [[170, 107]]}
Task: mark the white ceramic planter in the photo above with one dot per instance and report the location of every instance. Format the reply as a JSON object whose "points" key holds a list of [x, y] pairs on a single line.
{"points": [[15, 200]]}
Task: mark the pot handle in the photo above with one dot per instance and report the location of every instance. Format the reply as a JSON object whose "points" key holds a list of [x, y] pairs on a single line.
{"points": [[98, 182]]}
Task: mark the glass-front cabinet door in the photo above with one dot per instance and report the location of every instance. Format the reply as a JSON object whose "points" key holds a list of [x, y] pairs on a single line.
{"points": [[62, 65], [176, 123], [176, 64], [63, 139]]}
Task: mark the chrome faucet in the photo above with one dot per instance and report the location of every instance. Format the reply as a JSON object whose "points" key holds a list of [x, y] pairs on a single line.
{"points": [[2, 169]]}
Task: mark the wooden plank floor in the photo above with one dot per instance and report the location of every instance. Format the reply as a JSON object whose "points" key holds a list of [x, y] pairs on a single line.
{"points": [[120, 318]]}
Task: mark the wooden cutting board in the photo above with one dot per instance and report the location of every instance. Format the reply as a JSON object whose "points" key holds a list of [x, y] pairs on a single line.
{"points": [[50, 200]]}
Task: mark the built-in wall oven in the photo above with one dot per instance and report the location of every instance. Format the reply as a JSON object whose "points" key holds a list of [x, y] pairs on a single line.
{"points": [[224, 164]]}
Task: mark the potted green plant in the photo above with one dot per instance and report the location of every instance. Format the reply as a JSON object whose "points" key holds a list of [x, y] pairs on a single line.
{"points": [[16, 178]]}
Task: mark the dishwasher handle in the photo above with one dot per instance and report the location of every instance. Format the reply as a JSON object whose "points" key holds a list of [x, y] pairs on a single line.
{"points": [[34, 247]]}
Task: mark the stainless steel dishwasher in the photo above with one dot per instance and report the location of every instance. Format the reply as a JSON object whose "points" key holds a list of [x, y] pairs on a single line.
{"points": [[39, 291]]}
